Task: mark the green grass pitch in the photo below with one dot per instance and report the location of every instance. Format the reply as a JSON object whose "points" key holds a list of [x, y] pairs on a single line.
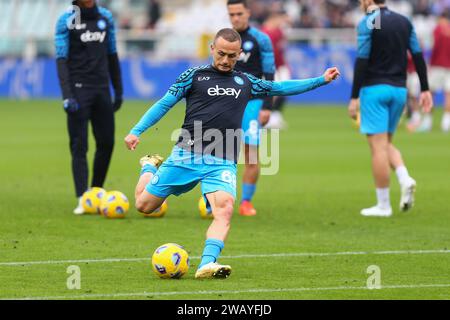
{"points": [[308, 240]]}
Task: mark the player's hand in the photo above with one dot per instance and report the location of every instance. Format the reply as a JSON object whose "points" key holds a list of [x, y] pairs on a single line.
{"points": [[131, 141], [71, 105], [117, 103], [353, 109], [264, 116], [331, 74], [426, 101]]}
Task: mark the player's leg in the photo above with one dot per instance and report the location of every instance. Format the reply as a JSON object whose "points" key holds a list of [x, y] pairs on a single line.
{"points": [[251, 128], [445, 125], [222, 208], [437, 80], [158, 180], [147, 202], [379, 146], [276, 120], [77, 124], [374, 123], [219, 187], [103, 127], [414, 116], [407, 184], [250, 178]]}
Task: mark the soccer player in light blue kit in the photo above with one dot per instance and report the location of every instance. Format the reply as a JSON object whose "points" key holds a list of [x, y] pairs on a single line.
{"points": [[257, 58], [208, 147], [384, 39]]}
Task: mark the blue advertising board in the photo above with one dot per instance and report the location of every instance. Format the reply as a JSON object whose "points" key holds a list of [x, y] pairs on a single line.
{"points": [[146, 79]]}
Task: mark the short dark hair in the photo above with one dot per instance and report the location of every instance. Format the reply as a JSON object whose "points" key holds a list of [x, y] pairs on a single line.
{"points": [[231, 2], [228, 34], [380, 1]]}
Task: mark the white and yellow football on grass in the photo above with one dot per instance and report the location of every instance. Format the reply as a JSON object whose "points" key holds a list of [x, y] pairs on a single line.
{"points": [[114, 205], [170, 261], [91, 199]]}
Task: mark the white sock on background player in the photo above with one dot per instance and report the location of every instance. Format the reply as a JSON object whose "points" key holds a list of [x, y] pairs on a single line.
{"points": [[402, 175], [383, 207], [383, 197], [445, 125], [408, 188], [427, 123]]}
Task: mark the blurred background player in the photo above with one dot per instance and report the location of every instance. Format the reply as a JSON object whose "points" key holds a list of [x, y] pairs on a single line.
{"points": [[257, 59], [440, 71], [87, 62], [196, 158], [273, 27], [380, 79]]}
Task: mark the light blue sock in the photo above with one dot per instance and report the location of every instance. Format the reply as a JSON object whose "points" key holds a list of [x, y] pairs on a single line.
{"points": [[248, 190], [211, 252], [148, 168]]}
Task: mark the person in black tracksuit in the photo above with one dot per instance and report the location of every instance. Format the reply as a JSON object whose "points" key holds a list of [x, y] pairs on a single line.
{"points": [[87, 62]]}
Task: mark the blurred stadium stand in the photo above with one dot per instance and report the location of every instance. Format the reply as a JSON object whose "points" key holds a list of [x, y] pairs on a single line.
{"points": [[27, 26], [175, 34]]}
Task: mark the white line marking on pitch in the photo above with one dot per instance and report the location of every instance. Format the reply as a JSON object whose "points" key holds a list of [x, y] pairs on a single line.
{"points": [[175, 293], [244, 256]]}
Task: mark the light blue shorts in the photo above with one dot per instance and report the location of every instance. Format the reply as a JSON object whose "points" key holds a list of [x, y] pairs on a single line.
{"points": [[381, 108], [183, 170], [250, 122]]}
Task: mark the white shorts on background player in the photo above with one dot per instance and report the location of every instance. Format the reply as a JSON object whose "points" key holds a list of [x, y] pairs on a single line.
{"points": [[439, 79], [413, 84], [283, 73]]}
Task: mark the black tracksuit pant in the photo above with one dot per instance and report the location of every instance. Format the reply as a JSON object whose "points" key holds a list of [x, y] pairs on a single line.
{"points": [[96, 108]]}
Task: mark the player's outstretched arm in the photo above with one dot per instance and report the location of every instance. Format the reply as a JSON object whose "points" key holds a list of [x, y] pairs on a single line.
{"points": [[176, 92], [292, 87]]}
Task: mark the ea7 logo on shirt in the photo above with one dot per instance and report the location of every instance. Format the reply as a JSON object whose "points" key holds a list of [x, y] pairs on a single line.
{"points": [[217, 91], [93, 36], [204, 78]]}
